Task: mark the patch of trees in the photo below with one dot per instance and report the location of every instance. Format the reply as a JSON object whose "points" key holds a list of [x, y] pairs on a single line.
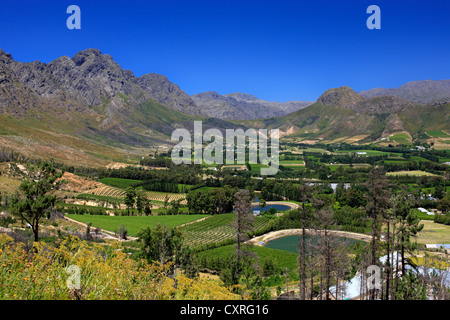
{"points": [[179, 174], [82, 210], [159, 162], [162, 186], [166, 246], [211, 201], [442, 218]]}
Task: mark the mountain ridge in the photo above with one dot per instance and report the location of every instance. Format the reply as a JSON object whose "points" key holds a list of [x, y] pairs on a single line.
{"points": [[243, 106], [422, 91]]}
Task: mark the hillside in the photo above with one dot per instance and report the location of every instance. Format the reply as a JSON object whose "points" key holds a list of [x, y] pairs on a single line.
{"points": [[342, 113], [88, 109]]}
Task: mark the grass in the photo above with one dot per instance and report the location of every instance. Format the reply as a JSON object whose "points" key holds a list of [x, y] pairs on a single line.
{"points": [[433, 233], [370, 152], [401, 138], [134, 223], [89, 196], [282, 258], [9, 185], [119, 182], [256, 168], [431, 262], [416, 173], [418, 159], [437, 134], [291, 162], [334, 167]]}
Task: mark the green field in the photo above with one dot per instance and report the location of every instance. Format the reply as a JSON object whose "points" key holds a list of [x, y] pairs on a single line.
{"points": [[418, 159], [416, 173], [291, 162], [401, 138], [256, 168], [370, 152], [437, 134], [119, 182], [334, 167], [283, 259], [134, 223]]}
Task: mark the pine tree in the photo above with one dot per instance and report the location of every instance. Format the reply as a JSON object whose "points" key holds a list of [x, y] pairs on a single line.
{"points": [[35, 201]]}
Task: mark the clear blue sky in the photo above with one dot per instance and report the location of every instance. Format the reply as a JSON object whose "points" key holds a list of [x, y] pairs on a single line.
{"points": [[276, 50]]}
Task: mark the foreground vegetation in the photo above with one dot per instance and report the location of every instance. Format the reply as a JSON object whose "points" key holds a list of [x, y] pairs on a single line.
{"points": [[105, 272]]}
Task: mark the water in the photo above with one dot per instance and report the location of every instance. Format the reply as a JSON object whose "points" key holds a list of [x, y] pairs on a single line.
{"points": [[279, 207], [290, 243]]}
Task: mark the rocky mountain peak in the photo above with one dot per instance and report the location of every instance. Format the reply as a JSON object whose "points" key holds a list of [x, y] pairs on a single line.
{"points": [[81, 57], [344, 97], [242, 96]]}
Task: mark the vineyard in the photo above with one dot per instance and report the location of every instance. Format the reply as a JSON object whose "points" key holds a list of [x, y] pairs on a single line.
{"points": [[108, 192], [215, 229], [160, 196], [151, 195]]}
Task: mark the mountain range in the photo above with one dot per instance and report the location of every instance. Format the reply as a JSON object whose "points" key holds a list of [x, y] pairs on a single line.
{"points": [[242, 106], [423, 92], [88, 109]]}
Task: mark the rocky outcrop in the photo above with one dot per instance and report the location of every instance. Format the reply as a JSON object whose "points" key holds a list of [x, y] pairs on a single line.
{"points": [[344, 97]]}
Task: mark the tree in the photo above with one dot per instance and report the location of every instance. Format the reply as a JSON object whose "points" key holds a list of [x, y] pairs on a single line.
{"points": [[306, 195], [327, 248], [175, 206], [160, 243], [35, 200], [141, 202], [243, 223], [410, 287], [408, 225], [377, 202], [262, 203], [130, 198], [166, 203]]}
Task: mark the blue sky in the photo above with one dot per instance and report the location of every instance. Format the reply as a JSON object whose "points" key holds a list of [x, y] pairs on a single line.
{"points": [[276, 50]]}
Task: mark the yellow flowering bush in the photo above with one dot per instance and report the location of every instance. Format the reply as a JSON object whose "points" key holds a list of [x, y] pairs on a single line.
{"points": [[106, 272]]}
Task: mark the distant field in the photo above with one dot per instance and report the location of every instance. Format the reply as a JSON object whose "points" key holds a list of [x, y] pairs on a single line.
{"points": [[437, 134], [410, 173], [334, 167], [256, 168], [401, 138], [418, 159], [393, 160], [315, 150], [119, 182], [291, 162], [370, 152], [133, 223], [433, 233]]}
